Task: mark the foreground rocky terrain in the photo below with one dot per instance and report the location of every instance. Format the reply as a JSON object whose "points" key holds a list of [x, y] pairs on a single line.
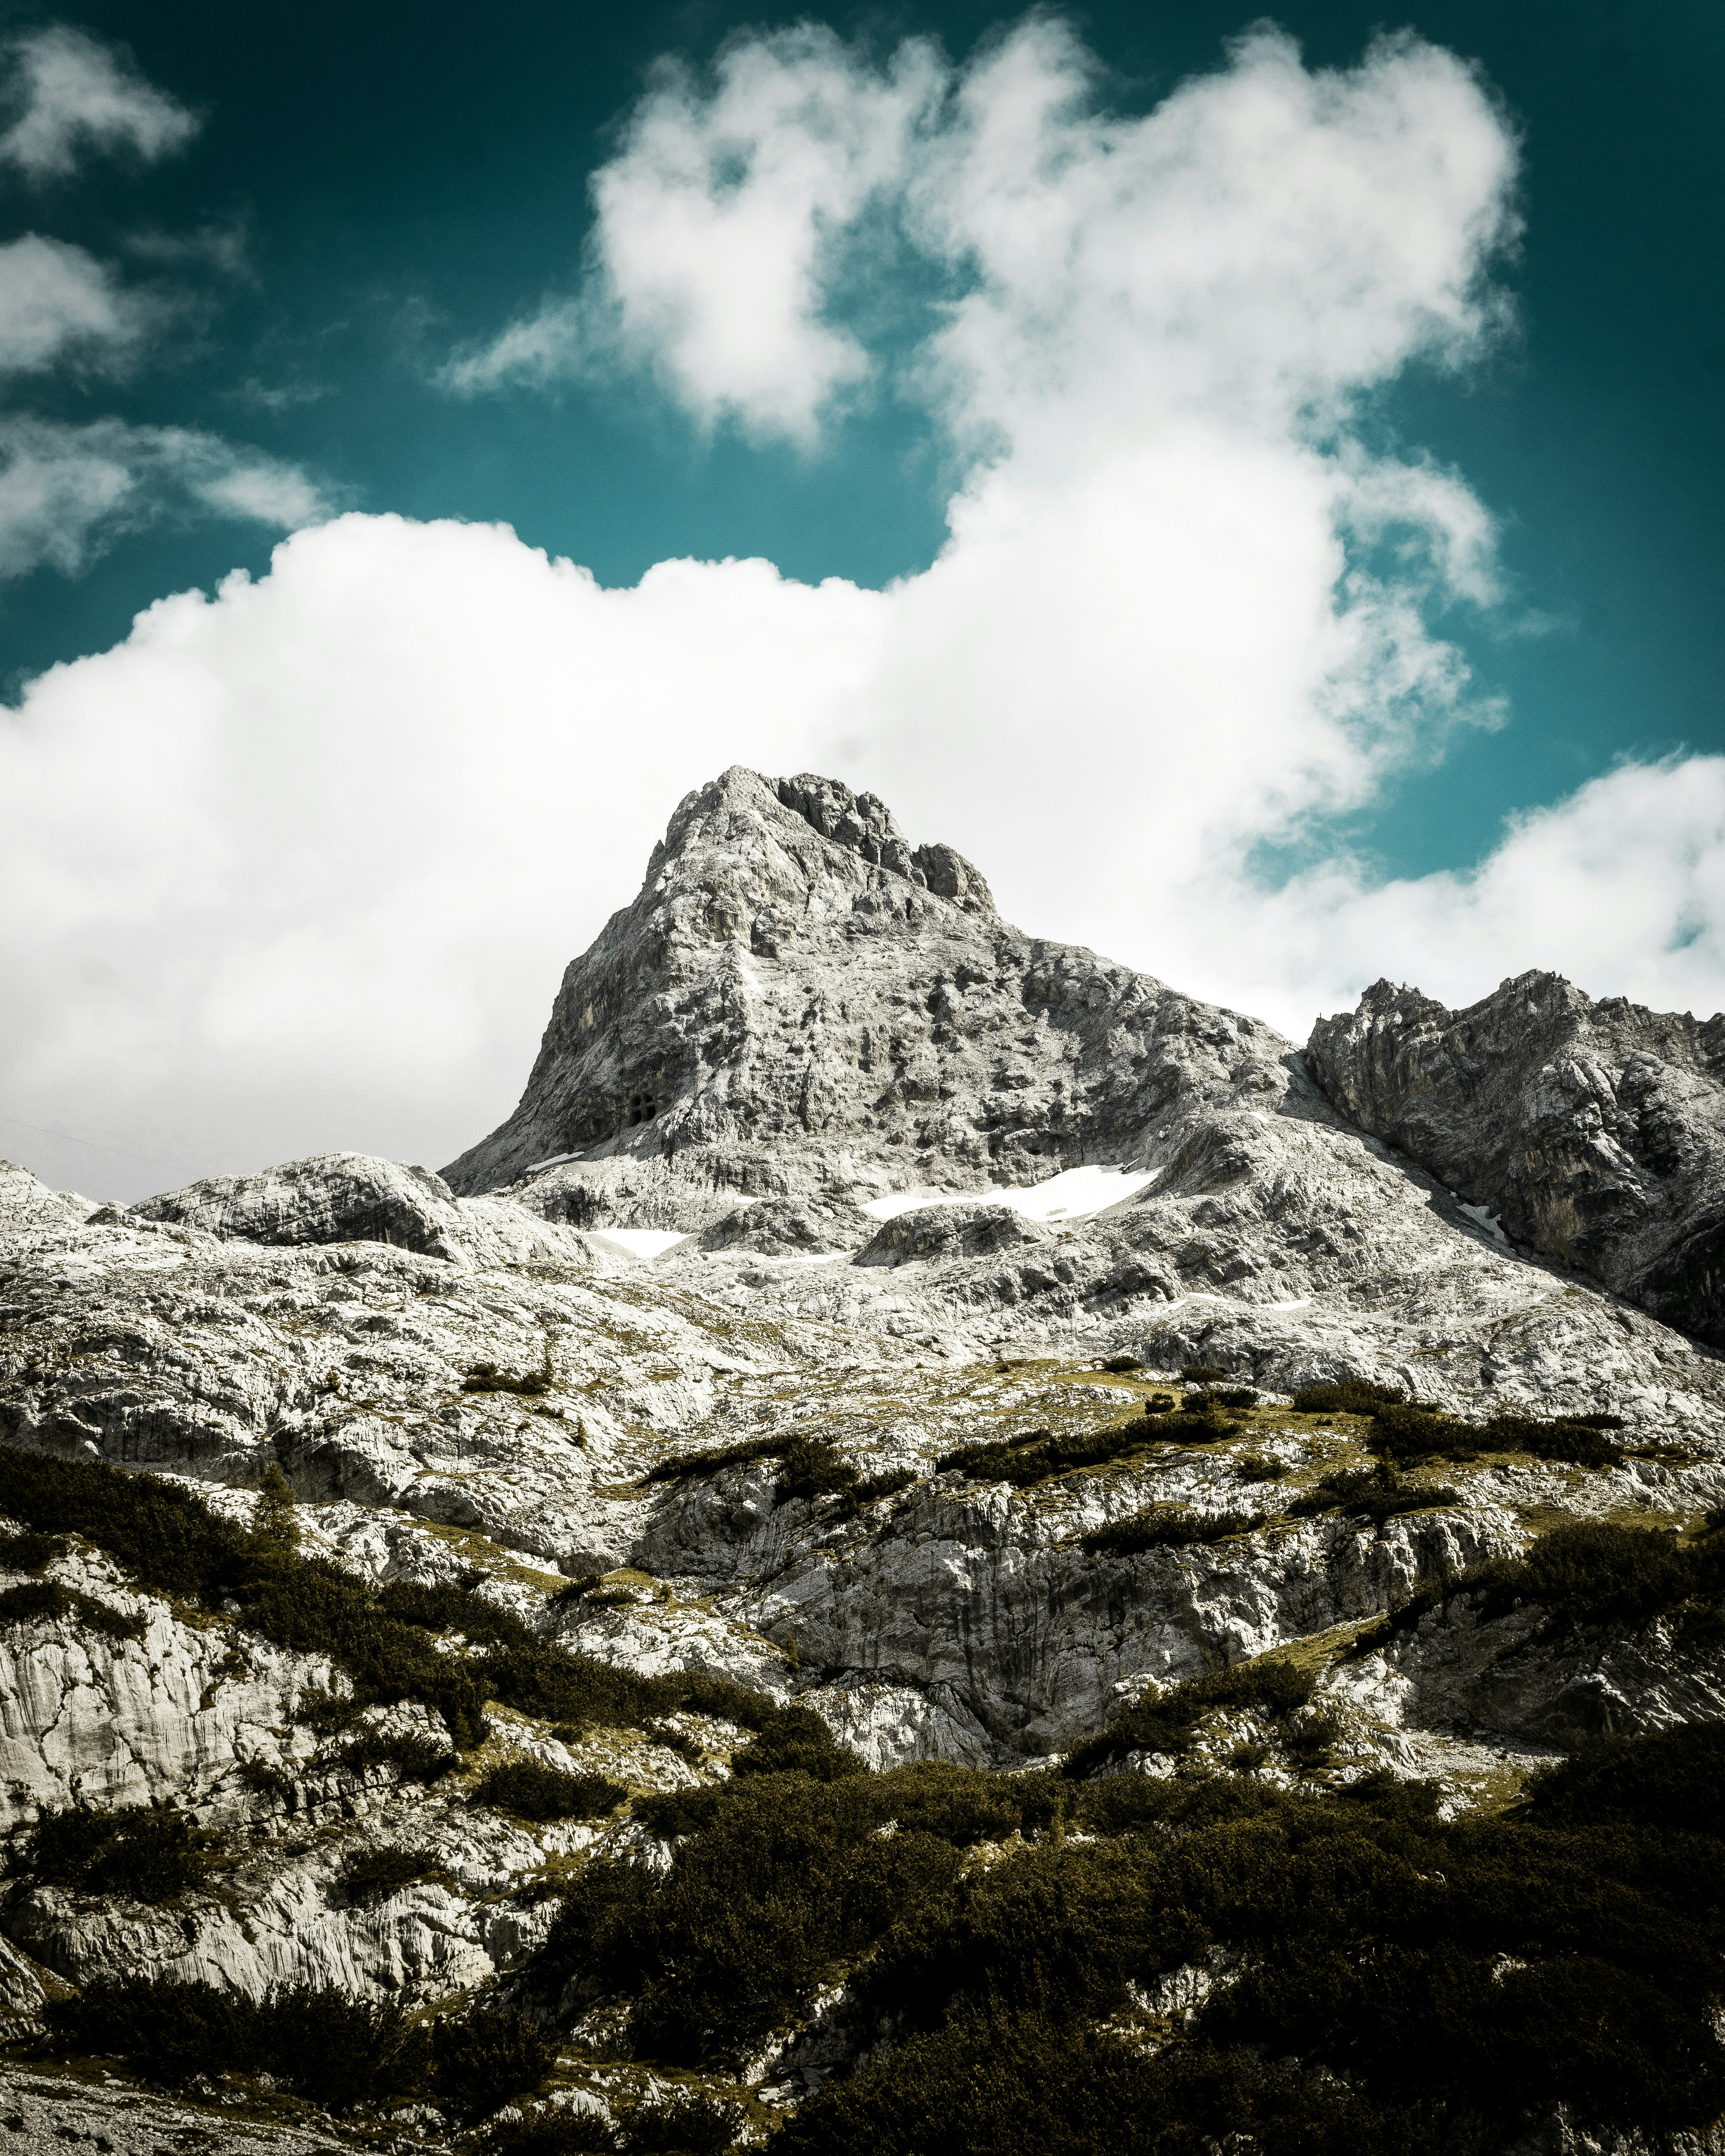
{"points": [[878, 1340]]}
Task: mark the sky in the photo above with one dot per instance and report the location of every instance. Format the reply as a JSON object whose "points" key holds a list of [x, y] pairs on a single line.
{"points": [[1252, 486]]}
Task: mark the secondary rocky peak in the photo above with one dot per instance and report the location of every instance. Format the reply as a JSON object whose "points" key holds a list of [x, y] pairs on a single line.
{"points": [[865, 823], [1594, 1131], [801, 1003]]}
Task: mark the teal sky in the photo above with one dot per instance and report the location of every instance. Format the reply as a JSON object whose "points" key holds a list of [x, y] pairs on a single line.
{"points": [[406, 179]]}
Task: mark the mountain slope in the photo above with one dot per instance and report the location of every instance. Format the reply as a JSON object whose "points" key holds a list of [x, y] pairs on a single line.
{"points": [[782, 1431]]}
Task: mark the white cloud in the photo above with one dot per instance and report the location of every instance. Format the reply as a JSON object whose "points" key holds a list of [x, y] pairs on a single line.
{"points": [[71, 96], [1621, 887], [718, 225], [58, 304], [67, 490], [299, 864]]}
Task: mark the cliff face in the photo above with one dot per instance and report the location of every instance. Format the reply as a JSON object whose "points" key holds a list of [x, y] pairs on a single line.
{"points": [[826, 1176], [797, 1003], [1594, 1131]]}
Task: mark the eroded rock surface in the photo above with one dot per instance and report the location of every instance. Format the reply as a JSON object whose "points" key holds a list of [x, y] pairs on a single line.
{"points": [[1592, 1131], [822, 1159]]}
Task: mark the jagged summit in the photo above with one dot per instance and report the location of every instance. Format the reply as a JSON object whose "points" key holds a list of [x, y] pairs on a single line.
{"points": [[800, 1001], [1595, 1130]]}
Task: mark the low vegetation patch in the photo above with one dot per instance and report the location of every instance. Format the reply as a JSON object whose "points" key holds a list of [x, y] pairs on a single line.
{"points": [[331, 2050], [373, 1875], [39, 1598], [415, 1759], [1035, 1455], [1169, 1722], [810, 1467], [1346, 1396], [383, 1639], [1402, 1984], [531, 1790], [140, 1854], [1405, 1432], [30, 1553], [1373, 1493], [1169, 1527], [487, 1377], [1591, 1572]]}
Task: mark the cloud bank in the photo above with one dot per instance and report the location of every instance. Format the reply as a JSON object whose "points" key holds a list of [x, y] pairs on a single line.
{"points": [[304, 859]]}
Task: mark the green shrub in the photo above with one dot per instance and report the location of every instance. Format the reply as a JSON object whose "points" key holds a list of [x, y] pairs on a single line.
{"points": [[711, 1459], [557, 2134], [373, 1875], [332, 2050], [873, 1487], [1589, 1572], [1036, 1455], [1208, 1397], [1580, 1440], [1670, 1781], [996, 2083], [1118, 1365], [1432, 1980], [30, 1553], [1260, 1467], [811, 1468], [1405, 1434], [1202, 1374], [532, 1790], [39, 1598], [1169, 1527], [798, 1743], [677, 2122], [1357, 1396], [1160, 1403], [486, 2057], [1205, 1425], [780, 1875], [1169, 1722], [487, 1377], [416, 1758], [141, 1854], [1376, 1493], [381, 1640]]}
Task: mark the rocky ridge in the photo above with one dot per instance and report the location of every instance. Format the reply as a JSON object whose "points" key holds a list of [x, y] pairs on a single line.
{"points": [[817, 1148], [1594, 1132]]}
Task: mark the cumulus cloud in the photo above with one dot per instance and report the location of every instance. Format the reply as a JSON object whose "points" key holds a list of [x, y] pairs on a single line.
{"points": [[720, 225], [299, 864], [67, 490], [69, 97]]}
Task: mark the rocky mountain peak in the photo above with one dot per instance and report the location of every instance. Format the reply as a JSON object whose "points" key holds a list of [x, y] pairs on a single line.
{"points": [[1594, 1131], [799, 1002]]}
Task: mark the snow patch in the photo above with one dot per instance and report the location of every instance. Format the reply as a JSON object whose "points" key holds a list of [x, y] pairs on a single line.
{"points": [[1077, 1193], [1484, 1217], [645, 1243]]}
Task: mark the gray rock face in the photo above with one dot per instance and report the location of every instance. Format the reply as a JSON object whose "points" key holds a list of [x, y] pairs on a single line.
{"points": [[868, 1165], [797, 1004], [330, 1197], [1594, 1131]]}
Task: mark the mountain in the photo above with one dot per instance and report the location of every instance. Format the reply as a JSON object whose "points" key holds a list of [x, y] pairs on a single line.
{"points": [[1594, 1131], [806, 1561]]}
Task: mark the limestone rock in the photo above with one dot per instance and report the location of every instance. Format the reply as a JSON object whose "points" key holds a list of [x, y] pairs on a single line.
{"points": [[796, 1005], [330, 1197], [24, 1201], [1592, 1131]]}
